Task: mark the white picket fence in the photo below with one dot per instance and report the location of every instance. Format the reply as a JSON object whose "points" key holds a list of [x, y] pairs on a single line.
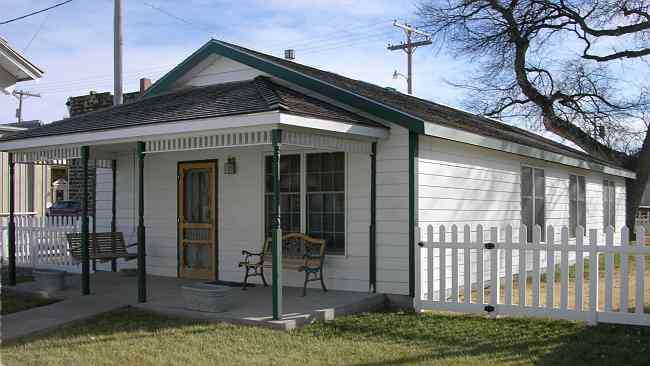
{"points": [[451, 277], [41, 242]]}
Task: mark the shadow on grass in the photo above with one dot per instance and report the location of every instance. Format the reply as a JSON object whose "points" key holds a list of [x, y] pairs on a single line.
{"points": [[420, 338], [442, 336]]}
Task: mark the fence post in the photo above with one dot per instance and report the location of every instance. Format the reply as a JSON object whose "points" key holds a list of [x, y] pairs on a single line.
{"points": [[593, 276], [429, 246], [580, 267], [480, 282], [508, 269], [417, 299], [33, 247], [564, 269], [454, 264], [625, 245], [467, 265], [609, 268], [550, 267], [494, 269], [523, 241], [442, 265], [640, 269]]}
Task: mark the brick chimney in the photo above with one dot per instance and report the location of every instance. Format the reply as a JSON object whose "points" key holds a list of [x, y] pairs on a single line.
{"points": [[145, 83]]}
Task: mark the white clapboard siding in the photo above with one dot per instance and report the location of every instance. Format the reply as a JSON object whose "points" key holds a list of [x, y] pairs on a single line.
{"points": [[438, 287], [240, 214]]}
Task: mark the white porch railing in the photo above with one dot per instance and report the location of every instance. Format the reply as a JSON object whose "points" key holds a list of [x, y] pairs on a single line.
{"points": [[451, 276], [41, 242]]}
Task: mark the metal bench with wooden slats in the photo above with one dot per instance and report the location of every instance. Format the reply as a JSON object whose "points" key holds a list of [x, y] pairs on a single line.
{"points": [[299, 252], [101, 246]]}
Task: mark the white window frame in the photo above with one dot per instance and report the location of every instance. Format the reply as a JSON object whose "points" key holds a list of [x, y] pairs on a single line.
{"points": [[607, 184], [572, 233], [303, 191], [521, 193]]}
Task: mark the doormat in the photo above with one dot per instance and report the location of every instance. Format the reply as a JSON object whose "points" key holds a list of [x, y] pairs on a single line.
{"points": [[229, 284]]}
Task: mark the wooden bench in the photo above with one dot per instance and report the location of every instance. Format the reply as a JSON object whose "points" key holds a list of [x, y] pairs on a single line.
{"points": [[101, 246], [299, 252]]}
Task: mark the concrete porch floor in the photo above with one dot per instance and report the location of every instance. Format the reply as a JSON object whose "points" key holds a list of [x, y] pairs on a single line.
{"points": [[110, 291]]}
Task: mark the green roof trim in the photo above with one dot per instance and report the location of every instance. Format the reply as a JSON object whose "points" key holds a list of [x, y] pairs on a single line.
{"points": [[308, 82]]}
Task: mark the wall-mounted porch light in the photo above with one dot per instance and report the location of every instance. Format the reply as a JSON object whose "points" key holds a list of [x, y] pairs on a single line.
{"points": [[230, 167]]}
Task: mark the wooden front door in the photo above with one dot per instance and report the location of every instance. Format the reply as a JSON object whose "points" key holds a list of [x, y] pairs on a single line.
{"points": [[197, 220]]}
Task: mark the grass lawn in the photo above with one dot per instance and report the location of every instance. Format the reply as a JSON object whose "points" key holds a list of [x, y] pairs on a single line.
{"points": [[132, 337]]}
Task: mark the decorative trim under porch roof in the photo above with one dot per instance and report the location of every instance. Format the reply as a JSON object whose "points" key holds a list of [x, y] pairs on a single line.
{"points": [[233, 137]]}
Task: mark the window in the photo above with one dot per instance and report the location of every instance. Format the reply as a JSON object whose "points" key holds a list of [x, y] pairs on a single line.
{"points": [[29, 188], [289, 193], [609, 203], [577, 203], [326, 199], [533, 192]]}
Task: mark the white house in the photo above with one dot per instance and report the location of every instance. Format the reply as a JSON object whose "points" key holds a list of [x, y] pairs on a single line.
{"points": [[31, 182], [361, 166], [14, 67]]}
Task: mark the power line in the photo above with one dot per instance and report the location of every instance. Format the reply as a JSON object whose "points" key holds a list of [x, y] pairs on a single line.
{"points": [[186, 21], [34, 13], [38, 31], [409, 47]]}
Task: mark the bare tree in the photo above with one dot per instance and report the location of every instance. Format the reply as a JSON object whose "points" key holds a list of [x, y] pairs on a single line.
{"points": [[576, 68]]}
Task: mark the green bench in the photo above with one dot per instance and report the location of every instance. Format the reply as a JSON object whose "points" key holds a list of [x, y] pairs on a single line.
{"points": [[299, 252]]}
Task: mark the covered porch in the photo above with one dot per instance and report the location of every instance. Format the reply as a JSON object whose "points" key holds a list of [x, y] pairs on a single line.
{"points": [[248, 187]]}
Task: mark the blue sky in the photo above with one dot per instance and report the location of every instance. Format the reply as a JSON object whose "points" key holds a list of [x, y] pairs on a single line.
{"points": [[74, 45]]}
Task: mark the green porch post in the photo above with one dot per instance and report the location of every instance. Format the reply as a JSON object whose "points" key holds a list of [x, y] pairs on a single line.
{"points": [[85, 263], [276, 227], [114, 210], [413, 153], [373, 218], [142, 271], [12, 223]]}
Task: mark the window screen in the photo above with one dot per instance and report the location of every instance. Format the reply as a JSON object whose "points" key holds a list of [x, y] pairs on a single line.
{"points": [[289, 193], [326, 199], [577, 203], [533, 192], [609, 203]]}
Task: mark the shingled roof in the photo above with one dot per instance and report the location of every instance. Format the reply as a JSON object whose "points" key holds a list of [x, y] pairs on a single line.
{"points": [[242, 97], [427, 110]]}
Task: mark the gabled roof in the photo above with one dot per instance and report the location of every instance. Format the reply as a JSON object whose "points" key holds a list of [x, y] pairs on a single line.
{"points": [[16, 64], [220, 100], [408, 111]]}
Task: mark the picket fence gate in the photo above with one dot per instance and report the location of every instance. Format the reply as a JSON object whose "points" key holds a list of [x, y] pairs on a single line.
{"points": [[41, 242], [452, 266]]}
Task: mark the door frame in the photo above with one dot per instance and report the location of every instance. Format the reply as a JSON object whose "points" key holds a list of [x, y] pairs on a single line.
{"points": [[215, 232]]}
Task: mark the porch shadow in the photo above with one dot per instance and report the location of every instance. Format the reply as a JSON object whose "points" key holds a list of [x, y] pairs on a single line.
{"points": [[538, 341]]}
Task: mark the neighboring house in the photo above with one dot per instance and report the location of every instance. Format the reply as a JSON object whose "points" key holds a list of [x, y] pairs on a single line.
{"points": [[31, 181], [15, 68], [643, 215], [31, 194], [361, 166]]}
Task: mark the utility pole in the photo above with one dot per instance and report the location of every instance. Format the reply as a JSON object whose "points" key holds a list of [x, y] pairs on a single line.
{"points": [[117, 52], [424, 39], [20, 94]]}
